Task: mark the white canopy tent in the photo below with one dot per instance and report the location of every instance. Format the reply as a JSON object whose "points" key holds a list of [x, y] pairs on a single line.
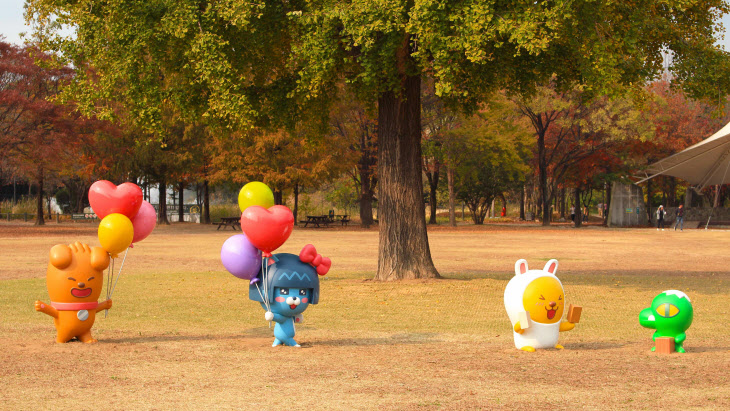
{"points": [[703, 164]]}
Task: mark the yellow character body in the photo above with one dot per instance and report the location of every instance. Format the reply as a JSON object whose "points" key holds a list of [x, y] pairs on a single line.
{"points": [[538, 297], [74, 278]]}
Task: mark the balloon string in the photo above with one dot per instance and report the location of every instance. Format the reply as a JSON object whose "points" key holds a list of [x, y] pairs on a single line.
{"points": [[264, 274], [119, 274], [108, 283]]}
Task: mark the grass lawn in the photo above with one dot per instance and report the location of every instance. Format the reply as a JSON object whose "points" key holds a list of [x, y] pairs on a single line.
{"points": [[183, 334]]}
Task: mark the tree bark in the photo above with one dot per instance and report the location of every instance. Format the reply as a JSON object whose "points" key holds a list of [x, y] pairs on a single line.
{"points": [[542, 179], [366, 207], [433, 183], [296, 203], [607, 205], [522, 203], [206, 203], [39, 204], [162, 217], [278, 197], [452, 196], [403, 251], [181, 197], [578, 209], [648, 199]]}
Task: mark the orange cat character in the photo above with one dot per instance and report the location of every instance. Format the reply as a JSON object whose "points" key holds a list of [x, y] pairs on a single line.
{"points": [[74, 279]]}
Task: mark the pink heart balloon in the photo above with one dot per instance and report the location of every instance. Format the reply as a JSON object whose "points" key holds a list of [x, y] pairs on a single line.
{"points": [[144, 222], [106, 198], [268, 229]]}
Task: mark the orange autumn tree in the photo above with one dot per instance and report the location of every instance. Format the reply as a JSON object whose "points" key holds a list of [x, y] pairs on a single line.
{"points": [[357, 127], [41, 139], [282, 159], [678, 122]]}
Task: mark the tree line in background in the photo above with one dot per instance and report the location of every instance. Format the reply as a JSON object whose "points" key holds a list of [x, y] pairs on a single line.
{"points": [[532, 150], [528, 97]]}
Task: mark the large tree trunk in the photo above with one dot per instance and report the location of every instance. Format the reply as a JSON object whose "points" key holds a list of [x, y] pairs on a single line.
{"points": [[206, 203], [522, 203], [181, 197], [39, 204], [578, 208], [296, 203], [366, 207], [433, 183], [452, 196], [542, 179], [607, 204], [648, 199], [205, 217], [278, 197], [403, 251], [162, 217]]}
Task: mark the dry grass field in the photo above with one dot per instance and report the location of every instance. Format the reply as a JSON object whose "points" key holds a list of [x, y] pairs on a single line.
{"points": [[183, 335]]}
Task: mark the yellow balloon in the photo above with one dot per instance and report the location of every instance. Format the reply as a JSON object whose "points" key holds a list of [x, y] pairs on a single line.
{"points": [[115, 233], [255, 193]]}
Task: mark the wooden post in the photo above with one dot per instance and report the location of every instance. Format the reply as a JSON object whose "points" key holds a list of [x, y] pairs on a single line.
{"points": [[574, 313], [664, 345]]}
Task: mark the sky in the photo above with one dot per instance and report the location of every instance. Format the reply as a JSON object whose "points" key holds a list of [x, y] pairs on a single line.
{"points": [[12, 23]]}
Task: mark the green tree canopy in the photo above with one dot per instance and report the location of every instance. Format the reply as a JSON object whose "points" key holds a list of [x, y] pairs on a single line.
{"points": [[256, 62]]}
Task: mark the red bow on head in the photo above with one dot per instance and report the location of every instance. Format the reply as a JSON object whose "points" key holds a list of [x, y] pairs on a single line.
{"points": [[309, 255]]}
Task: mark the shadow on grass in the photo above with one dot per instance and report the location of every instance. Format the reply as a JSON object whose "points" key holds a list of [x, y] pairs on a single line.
{"points": [[706, 282], [175, 338], [396, 339], [691, 349], [593, 346]]}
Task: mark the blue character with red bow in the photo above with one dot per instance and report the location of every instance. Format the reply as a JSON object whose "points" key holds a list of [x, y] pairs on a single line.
{"points": [[285, 288]]}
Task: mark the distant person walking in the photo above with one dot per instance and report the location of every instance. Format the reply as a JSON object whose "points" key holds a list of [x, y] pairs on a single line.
{"points": [[680, 218], [572, 213], [585, 214], [660, 214]]}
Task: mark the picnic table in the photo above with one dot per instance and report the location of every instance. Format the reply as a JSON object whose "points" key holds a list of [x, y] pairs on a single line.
{"points": [[233, 222], [341, 218], [325, 220], [317, 220]]}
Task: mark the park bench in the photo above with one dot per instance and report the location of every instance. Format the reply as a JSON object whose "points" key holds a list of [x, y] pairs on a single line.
{"points": [[83, 217], [233, 222]]}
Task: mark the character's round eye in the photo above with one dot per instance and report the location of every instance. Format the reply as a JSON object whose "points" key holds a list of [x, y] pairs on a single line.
{"points": [[303, 291], [667, 310], [284, 291]]}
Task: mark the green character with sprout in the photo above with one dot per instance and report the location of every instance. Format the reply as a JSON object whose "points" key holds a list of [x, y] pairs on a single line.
{"points": [[670, 315]]}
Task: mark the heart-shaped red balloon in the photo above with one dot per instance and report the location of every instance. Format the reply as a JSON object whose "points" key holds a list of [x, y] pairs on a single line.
{"points": [[268, 229], [106, 198]]}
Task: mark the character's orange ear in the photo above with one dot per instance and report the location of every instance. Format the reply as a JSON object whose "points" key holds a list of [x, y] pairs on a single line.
{"points": [[99, 258], [60, 256]]}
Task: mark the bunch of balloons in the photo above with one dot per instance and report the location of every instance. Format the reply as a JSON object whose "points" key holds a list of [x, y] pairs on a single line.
{"points": [[265, 228], [125, 217]]}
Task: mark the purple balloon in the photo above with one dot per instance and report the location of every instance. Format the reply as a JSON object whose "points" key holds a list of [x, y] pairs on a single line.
{"points": [[240, 257]]}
